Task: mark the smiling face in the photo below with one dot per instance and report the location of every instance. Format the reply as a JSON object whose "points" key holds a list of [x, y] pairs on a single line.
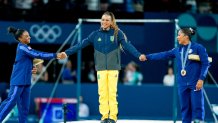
{"points": [[25, 38], [106, 22], [182, 38]]}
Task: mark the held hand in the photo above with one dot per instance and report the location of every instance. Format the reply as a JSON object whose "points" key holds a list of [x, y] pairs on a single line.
{"points": [[61, 55], [58, 55], [142, 57], [34, 70], [199, 85]]}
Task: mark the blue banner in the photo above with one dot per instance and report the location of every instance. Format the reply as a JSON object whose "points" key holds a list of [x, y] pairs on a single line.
{"points": [[51, 33], [147, 34]]}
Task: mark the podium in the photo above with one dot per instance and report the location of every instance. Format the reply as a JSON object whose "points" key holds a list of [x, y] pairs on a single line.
{"points": [[55, 112]]}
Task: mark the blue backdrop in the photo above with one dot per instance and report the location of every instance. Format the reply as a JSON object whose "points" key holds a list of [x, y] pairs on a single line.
{"points": [[147, 38]]}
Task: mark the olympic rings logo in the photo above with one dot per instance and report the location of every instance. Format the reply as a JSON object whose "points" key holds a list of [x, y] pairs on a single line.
{"points": [[45, 32]]}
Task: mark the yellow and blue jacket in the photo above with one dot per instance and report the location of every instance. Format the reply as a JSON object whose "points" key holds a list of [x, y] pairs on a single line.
{"points": [[106, 48]]}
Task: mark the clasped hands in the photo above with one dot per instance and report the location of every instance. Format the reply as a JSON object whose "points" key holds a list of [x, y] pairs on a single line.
{"points": [[61, 55], [142, 57]]}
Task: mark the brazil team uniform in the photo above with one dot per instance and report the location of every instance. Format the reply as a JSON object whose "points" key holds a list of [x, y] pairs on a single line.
{"points": [[107, 63]]}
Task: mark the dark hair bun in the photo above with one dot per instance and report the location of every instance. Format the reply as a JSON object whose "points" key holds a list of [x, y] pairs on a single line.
{"points": [[192, 31], [12, 30]]}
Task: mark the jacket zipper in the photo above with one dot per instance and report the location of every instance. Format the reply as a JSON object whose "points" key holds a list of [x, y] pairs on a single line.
{"points": [[105, 35]]}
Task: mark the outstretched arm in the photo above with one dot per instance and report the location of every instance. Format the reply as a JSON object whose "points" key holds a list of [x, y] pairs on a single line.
{"points": [[85, 42], [37, 54], [77, 47], [162, 55], [129, 47]]}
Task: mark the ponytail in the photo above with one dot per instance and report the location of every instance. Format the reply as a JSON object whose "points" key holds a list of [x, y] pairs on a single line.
{"points": [[188, 31], [16, 32]]}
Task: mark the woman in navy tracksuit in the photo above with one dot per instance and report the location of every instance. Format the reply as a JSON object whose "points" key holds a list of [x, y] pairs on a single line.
{"points": [[190, 74], [21, 76]]}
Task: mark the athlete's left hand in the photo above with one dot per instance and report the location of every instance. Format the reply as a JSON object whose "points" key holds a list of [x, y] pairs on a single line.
{"points": [[199, 85]]}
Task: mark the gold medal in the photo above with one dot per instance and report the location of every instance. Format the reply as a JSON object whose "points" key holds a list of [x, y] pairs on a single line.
{"points": [[183, 72]]}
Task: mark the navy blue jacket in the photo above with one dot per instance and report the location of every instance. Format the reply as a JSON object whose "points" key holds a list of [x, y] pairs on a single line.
{"points": [[195, 70], [107, 48], [22, 68]]}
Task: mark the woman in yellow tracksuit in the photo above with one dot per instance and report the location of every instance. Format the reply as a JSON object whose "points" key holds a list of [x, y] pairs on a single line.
{"points": [[107, 42]]}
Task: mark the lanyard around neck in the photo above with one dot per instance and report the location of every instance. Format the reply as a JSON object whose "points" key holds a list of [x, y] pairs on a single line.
{"points": [[183, 60]]}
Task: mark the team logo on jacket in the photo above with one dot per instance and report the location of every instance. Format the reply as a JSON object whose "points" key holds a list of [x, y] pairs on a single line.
{"points": [[112, 38], [190, 51], [99, 39]]}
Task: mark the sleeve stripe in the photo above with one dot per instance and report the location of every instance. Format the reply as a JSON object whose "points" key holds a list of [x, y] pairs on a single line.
{"points": [[34, 53], [28, 51]]}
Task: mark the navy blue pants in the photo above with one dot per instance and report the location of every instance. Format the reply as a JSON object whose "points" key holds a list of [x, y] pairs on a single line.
{"points": [[192, 104], [19, 95]]}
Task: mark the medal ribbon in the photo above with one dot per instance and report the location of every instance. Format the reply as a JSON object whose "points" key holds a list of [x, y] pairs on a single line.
{"points": [[183, 61]]}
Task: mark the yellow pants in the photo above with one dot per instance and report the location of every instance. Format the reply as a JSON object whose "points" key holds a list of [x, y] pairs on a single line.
{"points": [[107, 90]]}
